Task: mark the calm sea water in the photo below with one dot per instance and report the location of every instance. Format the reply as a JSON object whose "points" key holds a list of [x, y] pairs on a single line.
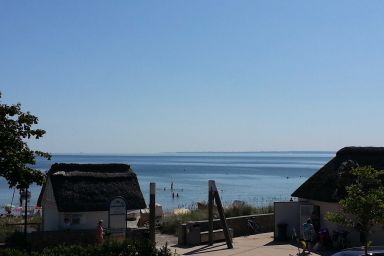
{"points": [[257, 178]]}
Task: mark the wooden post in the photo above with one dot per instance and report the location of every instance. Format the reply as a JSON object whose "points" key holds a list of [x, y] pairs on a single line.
{"points": [[222, 216], [210, 211], [152, 211]]}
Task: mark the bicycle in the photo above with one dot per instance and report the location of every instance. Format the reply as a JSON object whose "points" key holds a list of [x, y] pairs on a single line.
{"points": [[253, 225], [301, 244]]}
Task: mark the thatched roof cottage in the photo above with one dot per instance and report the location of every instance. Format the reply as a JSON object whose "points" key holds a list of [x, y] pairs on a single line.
{"points": [[78, 195], [324, 189]]}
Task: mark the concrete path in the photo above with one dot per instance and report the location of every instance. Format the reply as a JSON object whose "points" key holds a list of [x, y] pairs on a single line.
{"points": [[255, 245]]}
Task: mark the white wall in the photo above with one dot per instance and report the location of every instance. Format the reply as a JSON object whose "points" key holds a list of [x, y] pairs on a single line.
{"points": [[54, 220], [49, 208], [377, 235], [88, 220], [287, 213]]}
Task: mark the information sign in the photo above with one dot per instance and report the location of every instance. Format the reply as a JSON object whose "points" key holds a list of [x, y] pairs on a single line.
{"points": [[117, 216]]}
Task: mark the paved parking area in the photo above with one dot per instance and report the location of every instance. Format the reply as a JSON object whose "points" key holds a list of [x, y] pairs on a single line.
{"points": [[255, 245]]}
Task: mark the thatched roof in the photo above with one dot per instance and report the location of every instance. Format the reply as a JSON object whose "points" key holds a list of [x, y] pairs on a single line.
{"points": [[328, 183], [90, 187]]}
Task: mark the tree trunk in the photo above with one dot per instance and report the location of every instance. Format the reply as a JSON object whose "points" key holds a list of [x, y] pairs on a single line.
{"points": [[25, 219], [366, 248]]}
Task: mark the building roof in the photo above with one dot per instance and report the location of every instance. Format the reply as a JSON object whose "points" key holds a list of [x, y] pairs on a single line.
{"points": [[328, 184], [91, 187]]}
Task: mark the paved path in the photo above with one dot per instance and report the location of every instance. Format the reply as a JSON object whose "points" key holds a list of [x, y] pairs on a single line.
{"points": [[255, 245]]}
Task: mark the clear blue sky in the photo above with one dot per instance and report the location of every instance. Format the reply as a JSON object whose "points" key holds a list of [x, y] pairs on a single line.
{"points": [[165, 76]]}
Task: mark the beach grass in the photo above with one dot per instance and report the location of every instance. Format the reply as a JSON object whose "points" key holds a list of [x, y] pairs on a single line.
{"points": [[172, 221], [242, 208], [9, 225]]}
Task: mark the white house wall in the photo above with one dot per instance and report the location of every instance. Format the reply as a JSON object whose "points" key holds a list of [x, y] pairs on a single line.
{"points": [[88, 220], [324, 208], [50, 211], [54, 220], [377, 235], [287, 213]]}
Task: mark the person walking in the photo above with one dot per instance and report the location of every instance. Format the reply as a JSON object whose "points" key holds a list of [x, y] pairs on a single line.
{"points": [[308, 233], [100, 232]]}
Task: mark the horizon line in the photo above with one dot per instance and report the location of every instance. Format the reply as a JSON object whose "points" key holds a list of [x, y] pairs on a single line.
{"points": [[201, 152]]}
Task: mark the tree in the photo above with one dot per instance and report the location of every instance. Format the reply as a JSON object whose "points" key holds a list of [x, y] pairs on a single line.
{"points": [[363, 205], [16, 158]]}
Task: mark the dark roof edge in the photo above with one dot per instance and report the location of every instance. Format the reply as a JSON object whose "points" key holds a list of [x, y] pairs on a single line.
{"points": [[360, 150], [94, 168]]}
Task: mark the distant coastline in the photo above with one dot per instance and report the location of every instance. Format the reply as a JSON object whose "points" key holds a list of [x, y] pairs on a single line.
{"points": [[200, 152]]}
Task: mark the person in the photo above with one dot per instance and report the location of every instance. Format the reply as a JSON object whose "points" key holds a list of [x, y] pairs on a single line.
{"points": [[100, 232], [315, 220], [308, 233], [67, 224]]}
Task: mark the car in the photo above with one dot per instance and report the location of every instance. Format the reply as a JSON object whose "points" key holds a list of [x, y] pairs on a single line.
{"points": [[359, 251]]}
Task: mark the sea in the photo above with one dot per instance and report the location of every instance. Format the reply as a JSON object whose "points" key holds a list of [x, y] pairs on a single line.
{"points": [[258, 178]]}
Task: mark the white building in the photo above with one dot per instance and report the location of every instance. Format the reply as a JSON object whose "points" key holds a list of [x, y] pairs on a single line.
{"points": [[77, 196], [323, 190]]}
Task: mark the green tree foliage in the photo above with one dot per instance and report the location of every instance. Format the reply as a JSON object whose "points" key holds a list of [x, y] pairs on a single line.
{"points": [[363, 206], [16, 158]]}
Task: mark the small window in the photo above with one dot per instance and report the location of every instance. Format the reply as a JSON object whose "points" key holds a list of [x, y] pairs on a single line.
{"points": [[74, 219]]}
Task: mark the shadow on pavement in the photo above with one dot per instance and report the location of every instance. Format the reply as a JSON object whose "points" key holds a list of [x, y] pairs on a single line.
{"points": [[205, 248]]}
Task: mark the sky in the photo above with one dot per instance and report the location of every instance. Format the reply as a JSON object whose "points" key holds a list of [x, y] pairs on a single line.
{"points": [[125, 77]]}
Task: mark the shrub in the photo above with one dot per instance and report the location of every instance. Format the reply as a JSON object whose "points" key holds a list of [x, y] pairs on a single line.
{"points": [[16, 240], [12, 252], [113, 248]]}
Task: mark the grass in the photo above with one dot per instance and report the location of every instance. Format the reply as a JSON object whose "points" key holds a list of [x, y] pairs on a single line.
{"points": [[171, 222], [238, 208], [9, 225], [241, 208]]}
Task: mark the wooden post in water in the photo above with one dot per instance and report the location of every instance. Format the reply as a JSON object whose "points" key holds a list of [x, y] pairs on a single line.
{"points": [[152, 211], [220, 209], [210, 211]]}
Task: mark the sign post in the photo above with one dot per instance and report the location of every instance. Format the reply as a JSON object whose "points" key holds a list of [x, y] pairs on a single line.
{"points": [[117, 216]]}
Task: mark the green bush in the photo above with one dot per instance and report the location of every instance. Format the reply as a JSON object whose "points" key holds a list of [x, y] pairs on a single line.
{"points": [[12, 252], [114, 248], [16, 240]]}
